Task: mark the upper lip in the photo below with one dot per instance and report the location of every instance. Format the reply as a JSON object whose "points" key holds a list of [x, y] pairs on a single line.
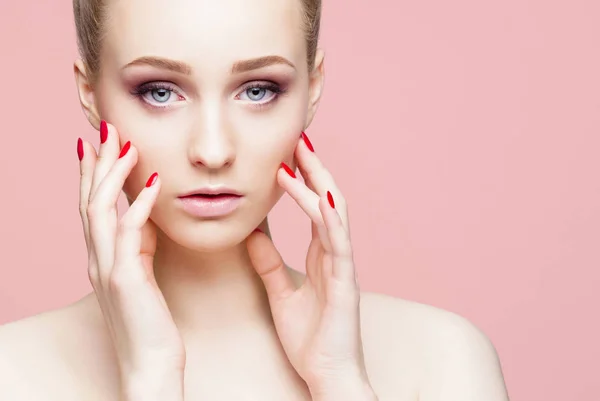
{"points": [[212, 190]]}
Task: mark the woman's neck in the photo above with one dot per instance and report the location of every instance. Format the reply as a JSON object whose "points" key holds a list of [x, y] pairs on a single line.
{"points": [[217, 291]]}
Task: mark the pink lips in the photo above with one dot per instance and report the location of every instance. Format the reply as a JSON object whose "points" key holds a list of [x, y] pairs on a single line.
{"points": [[203, 205]]}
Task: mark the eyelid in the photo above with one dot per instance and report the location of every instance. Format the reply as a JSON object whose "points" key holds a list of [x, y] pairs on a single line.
{"points": [[276, 89], [260, 84], [140, 90]]}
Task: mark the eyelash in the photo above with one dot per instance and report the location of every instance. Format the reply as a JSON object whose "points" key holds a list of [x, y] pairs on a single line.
{"points": [[272, 86], [140, 90]]}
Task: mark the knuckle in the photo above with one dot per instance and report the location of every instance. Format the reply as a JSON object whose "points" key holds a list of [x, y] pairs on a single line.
{"points": [[83, 211], [93, 271], [94, 276], [93, 210]]}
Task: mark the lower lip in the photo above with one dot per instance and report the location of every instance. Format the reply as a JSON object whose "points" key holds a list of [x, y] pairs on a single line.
{"points": [[219, 206]]}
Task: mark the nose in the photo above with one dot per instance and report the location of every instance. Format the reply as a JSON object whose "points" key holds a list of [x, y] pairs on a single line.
{"points": [[211, 142]]}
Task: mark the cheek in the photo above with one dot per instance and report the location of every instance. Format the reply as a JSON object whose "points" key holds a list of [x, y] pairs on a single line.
{"points": [[272, 138], [277, 146], [150, 160], [261, 156], [264, 160]]}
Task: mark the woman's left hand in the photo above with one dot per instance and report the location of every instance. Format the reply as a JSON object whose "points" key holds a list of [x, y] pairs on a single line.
{"points": [[318, 324]]}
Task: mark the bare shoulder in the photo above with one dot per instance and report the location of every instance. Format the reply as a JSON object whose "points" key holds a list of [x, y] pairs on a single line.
{"points": [[29, 348], [431, 324], [45, 357], [440, 354]]}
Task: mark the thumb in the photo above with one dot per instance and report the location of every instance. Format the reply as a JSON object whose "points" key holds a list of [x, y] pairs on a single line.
{"points": [[270, 267]]}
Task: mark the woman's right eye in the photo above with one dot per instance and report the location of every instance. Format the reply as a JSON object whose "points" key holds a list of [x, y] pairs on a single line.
{"points": [[157, 94]]}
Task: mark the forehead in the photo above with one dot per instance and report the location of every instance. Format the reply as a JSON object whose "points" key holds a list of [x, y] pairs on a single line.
{"points": [[204, 32]]}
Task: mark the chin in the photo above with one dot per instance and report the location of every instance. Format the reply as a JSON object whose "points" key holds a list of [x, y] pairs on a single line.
{"points": [[212, 244], [210, 235]]}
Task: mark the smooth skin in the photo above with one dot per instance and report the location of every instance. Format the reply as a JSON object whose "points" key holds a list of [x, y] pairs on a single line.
{"points": [[185, 308]]}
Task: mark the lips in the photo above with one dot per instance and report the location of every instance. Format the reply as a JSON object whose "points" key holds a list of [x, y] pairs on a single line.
{"points": [[212, 192], [211, 196], [210, 205]]}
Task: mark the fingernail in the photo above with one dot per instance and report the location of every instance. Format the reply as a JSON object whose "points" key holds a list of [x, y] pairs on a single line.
{"points": [[103, 131], [125, 149], [80, 149], [151, 180], [307, 142], [288, 170], [258, 230], [330, 199]]}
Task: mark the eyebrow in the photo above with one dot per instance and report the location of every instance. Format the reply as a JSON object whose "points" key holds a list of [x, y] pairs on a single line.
{"points": [[183, 68], [162, 63], [260, 62]]}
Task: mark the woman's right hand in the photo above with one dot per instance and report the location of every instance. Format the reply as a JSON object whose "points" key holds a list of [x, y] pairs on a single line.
{"points": [[149, 348]]}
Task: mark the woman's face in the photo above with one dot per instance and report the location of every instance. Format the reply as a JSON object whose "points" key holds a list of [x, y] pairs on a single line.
{"points": [[211, 93]]}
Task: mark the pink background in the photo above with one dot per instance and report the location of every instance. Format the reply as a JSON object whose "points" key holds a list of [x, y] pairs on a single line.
{"points": [[465, 135]]}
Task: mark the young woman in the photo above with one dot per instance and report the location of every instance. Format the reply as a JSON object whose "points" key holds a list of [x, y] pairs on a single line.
{"points": [[202, 108]]}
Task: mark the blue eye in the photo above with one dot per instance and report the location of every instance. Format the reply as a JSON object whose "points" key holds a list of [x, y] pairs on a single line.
{"points": [[158, 94], [256, 93], [161, 95], [261, 93]]}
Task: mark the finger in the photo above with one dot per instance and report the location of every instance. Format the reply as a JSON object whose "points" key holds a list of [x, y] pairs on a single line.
{"points": [[313, 227], [320, 178], [87, 162], [108, 153], [309, 184], [342, 259], [306, 199], [314, 265], [102, 210], [270, 267], [131, 244]]}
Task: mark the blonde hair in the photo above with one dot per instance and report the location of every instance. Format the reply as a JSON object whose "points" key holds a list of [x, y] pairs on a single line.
{"points": [[89, 24]]}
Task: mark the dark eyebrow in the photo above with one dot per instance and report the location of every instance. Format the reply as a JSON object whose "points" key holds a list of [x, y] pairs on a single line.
{"points": [[183, 68], [163, 63], [260, 62]]}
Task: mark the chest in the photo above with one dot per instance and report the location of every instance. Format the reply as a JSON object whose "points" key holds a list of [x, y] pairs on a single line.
{"points": [[216, 385], [216, 373]]}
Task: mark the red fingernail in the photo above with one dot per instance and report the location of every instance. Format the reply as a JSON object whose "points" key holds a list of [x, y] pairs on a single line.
{"points": [[151, 180], [258, 230], [125, 149], [307, 142], [79, 149], [103, 131], [288, 170], [330, 199]]}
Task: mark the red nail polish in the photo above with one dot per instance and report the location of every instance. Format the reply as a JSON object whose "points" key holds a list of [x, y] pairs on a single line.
{"points": [[103, 131], [151, 180], [80, 149], [125, 149], [307, 142], [258, 230], [330, 199], [288, 170]]}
